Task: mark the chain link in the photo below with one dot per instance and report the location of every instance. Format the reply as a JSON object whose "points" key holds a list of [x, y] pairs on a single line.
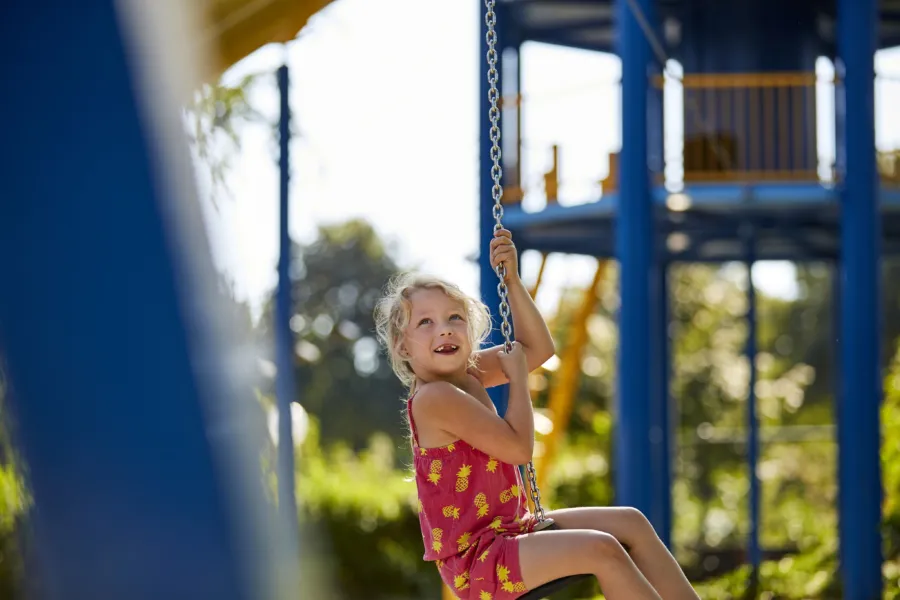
{"points": [[497, 194]]}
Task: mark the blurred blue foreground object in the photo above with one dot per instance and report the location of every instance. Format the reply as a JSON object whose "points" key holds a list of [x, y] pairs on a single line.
{"points": [[126, 398]]}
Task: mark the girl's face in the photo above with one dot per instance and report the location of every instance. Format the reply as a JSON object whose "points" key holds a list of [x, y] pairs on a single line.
{"points": [[436, 341]]}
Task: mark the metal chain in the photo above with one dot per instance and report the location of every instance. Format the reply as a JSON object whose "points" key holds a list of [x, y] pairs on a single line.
{"points": [[497, 194], [496, 169]]}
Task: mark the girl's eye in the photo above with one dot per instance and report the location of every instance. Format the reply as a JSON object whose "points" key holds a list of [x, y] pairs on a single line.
{"points": [[424, 321], [456, 317]]}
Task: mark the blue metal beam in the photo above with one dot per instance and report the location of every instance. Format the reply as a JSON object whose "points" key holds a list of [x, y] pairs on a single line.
{"points": [[286, 392], [634, 250], [702, 251], [861, 392], [127, 405], [763, 199], [752, 421]]}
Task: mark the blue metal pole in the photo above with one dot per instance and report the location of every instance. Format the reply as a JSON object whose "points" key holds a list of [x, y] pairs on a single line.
{"points": [[285, 388], [488, 278], [634, 243], [752, 421], [127, 404], [860, 398]]}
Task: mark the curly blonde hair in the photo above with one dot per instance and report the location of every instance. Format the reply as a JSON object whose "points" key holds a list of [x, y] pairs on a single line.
{"points": [[392, 315]]}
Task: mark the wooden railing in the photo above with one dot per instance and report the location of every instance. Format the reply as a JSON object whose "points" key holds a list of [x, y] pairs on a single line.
{"points": [[749, 127]]}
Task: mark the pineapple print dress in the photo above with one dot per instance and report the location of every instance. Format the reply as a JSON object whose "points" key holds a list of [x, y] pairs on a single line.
{"points": [[472, 507]]}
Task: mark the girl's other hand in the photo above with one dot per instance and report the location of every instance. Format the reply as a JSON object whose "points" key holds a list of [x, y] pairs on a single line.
{"points": [[514, 363]]}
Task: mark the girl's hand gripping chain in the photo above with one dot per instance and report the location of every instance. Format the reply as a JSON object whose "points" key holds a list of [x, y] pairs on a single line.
{"points": [[503, 250], [514, 364]]}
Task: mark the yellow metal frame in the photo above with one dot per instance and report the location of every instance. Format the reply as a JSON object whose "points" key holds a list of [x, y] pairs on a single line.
{"points": [[540, 277]]}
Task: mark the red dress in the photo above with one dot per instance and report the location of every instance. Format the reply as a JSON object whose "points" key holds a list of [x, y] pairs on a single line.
{"points": [[472, 507]]}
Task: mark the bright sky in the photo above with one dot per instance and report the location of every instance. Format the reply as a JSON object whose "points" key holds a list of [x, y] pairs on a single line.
{"points": [[387, 103]]}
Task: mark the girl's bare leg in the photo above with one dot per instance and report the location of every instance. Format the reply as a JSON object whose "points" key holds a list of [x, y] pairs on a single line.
{"points": [[548, 555], [633, 530]]}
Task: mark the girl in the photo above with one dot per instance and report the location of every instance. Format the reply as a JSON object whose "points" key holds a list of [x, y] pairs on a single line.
{"points": [[473, 511]]}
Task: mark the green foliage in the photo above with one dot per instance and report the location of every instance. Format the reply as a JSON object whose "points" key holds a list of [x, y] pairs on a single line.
{"points": [[813, 572], [15, 504], [802, 577], [890, 465], [342, 377], [795, 352], [213, 118], [14, 498], [709, 381], [366, 509]]}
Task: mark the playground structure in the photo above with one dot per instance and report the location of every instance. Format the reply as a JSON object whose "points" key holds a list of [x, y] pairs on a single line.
{"points": [[752, 189]]}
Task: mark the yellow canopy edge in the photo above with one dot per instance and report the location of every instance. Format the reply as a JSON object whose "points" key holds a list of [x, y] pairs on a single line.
{"points": [[234, 29]]}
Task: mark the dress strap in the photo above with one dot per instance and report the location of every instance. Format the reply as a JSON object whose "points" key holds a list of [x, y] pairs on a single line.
{"points": [[412, 422]]}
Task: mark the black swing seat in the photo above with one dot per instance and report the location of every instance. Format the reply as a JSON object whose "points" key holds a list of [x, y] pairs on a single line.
{"points": [[551, 587]]}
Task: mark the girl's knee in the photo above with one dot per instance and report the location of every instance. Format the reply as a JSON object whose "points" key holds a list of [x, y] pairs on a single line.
{"points": [[634, 517], [606, 547], [639, 526]]}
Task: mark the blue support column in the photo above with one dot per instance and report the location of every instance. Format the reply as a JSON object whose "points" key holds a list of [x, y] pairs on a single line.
{"points": [[285, 388], [661, 416], [634, 244], [752, 422], [861, 390], [488, 280], [131, 411]]}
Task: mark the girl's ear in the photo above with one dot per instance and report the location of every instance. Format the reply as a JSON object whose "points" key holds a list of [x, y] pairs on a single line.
{"points": [[401, 350]]}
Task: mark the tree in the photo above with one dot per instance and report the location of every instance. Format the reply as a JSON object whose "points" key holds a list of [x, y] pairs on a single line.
{"points": [[342, 377]]}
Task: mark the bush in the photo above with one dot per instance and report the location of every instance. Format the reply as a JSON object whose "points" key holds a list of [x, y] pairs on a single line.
{"points": [[814, 572], [366, 513]]}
